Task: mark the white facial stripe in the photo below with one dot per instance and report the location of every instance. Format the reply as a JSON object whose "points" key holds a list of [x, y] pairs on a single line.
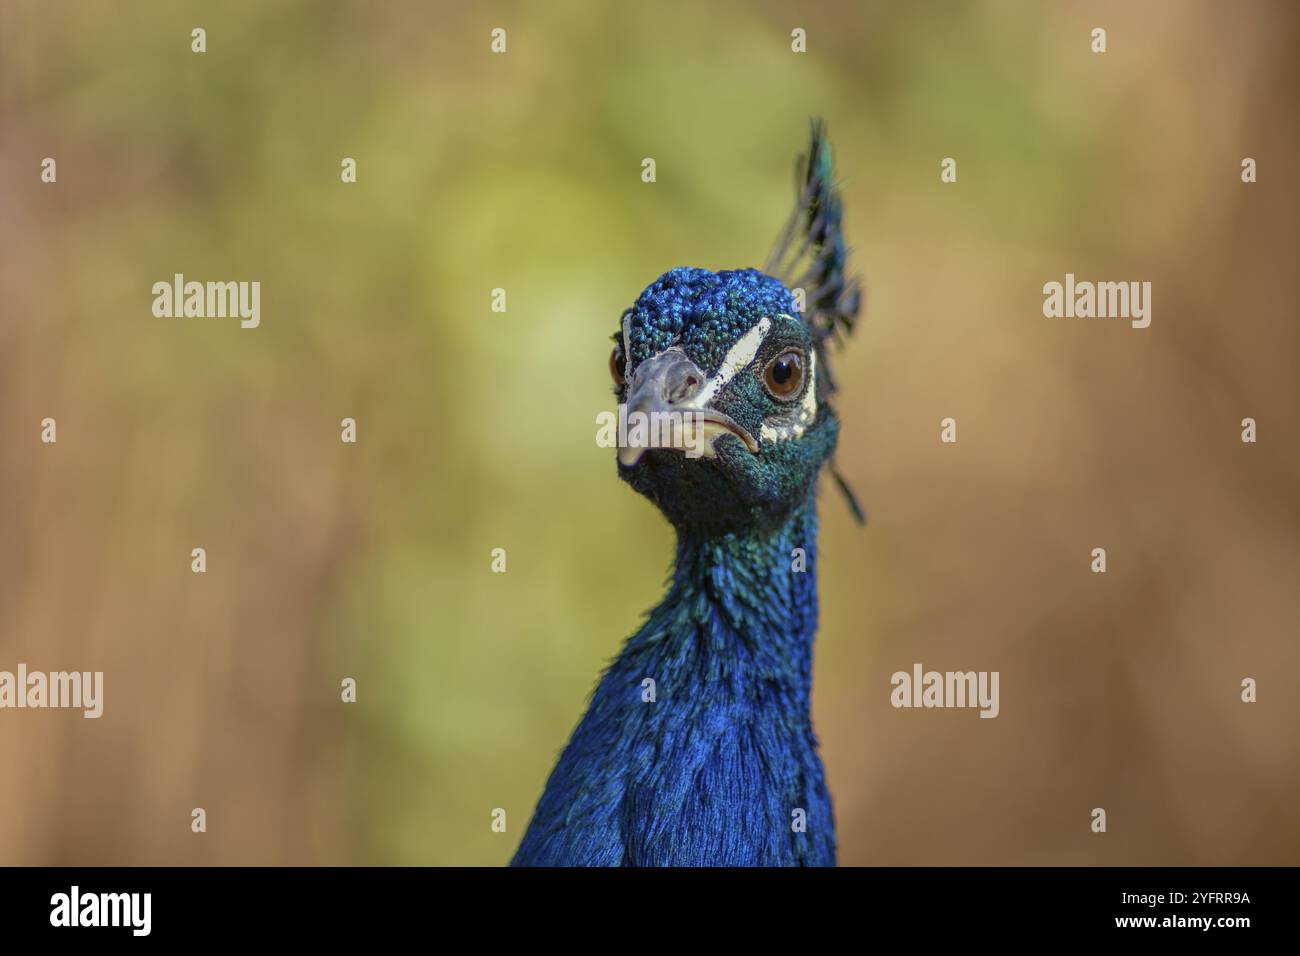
{"points": [[627, 345], [739, 356], [806, 415]]}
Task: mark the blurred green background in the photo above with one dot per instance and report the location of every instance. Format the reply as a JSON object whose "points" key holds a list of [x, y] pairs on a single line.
{"points": [[522, 171]]}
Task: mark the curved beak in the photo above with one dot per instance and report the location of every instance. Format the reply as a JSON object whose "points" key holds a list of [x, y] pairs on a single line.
{"points": [[663, 411]]}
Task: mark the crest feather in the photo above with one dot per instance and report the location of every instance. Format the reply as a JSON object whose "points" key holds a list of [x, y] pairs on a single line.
{"points": [[810, 253]]}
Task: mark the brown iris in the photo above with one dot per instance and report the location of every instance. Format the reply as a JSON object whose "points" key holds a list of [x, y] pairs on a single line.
{"points": [[618, 366], [783, 376]]}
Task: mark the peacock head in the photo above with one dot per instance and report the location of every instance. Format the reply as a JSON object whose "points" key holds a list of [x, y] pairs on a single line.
{"points": [[723, 377], [728, 419]]}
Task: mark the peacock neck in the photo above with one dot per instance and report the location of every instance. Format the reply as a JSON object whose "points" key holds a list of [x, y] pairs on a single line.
{"points": [[750, 598]]}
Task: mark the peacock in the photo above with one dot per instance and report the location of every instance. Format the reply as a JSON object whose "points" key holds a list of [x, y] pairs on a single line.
{"points": [[697, 748]]}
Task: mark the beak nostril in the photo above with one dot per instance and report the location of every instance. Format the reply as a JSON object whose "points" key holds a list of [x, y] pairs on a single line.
{"points": [[672, 378]]}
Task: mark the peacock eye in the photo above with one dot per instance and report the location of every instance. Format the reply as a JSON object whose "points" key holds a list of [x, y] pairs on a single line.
{"points": [[618, 366], [783, 376]]}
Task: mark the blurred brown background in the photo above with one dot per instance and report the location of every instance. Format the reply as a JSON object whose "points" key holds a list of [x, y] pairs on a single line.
{"points": [[522, 171]]}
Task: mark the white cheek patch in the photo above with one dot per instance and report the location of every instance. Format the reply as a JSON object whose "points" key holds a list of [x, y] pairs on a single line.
{"points": [[794, 426], [738, 357]]}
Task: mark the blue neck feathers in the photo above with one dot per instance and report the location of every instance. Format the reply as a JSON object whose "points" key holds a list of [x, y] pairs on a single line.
{"points": [[698, 747]]}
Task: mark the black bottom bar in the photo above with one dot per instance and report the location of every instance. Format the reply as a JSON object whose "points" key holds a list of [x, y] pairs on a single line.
{"points": [[330, 906]]}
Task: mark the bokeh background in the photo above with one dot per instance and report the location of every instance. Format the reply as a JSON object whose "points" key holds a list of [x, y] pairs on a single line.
{"points": [[476, 429]]}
